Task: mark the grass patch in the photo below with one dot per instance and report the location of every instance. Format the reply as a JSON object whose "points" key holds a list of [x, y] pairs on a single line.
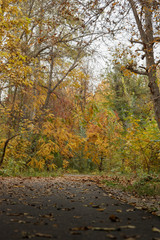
{"points": [[31, 173], [147, 186], [111, 183], [144, 185]]}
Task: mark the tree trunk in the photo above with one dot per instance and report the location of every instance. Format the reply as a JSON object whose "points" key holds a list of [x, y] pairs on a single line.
{"points": [[154, 89], [151, 65], [5, 147]]}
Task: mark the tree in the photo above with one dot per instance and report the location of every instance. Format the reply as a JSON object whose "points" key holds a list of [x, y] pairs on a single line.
{"points": [[147, 21], [130, 93], [41, 43], [13, 69], [137, 21]]}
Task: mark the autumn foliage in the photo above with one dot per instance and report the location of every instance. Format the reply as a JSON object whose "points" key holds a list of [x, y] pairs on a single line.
{"points": [[51, 116]]}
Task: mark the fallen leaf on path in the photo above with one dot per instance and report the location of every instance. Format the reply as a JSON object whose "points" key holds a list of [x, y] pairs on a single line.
{"points": [[68, 209], [131, 238], [55, 225], [18, 221], [130, 210], [43, 235], [100, 209], [154, 229], [111, 236], [50, 215], [95, 206], [15, 214], [77, 217], [80, 228], [26, 235], [112, 229], [114, 218], [30, 217], [18, 186], [127, 227], [139, 208], [22, 221], [119, 210], [103, 229]]}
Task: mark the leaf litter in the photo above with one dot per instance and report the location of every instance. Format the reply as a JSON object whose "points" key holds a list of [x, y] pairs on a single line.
{"points": [[76, 230]]}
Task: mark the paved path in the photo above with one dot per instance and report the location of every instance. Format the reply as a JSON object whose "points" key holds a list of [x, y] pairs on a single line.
{"points": [[40, 208]]}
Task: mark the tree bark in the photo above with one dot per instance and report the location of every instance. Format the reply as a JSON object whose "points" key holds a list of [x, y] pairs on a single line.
{"points": [[151, 65], [5, 147]]}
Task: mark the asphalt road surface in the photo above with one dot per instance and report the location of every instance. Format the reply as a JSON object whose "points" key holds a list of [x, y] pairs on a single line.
{"points": [[66, 209]]}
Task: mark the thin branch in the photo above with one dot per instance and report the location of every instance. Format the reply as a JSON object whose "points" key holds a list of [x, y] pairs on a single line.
{"points": [[50, 79], [43, 86], [2, 104], [138, 21], [69, 70], [137, 71], [29, 15], [136, 41], [6, 87], [143, 68], [36, 53], [66, 74], [156, 39]]}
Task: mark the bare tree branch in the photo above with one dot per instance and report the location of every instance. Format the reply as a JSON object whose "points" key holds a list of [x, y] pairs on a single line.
{"points": [[156, 39], [137, 71], [2, 104], [157, 63], [74, 65], [138, 21], [36, 53], [136, 41], [6, 87]]}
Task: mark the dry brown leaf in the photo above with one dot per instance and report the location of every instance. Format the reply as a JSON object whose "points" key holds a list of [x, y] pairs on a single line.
{"points": [[47, 215], [77, 217], [103, 229], [119, 210], [100, 209], [131, 238], [114, 218], [127, 227], [95, 206], [80, 228], [43, 235], [130, 210], [154, 229], [111, 236]]}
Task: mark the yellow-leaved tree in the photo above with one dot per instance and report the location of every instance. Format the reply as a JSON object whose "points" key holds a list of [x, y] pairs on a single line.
{"points": [[14, 70]]}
